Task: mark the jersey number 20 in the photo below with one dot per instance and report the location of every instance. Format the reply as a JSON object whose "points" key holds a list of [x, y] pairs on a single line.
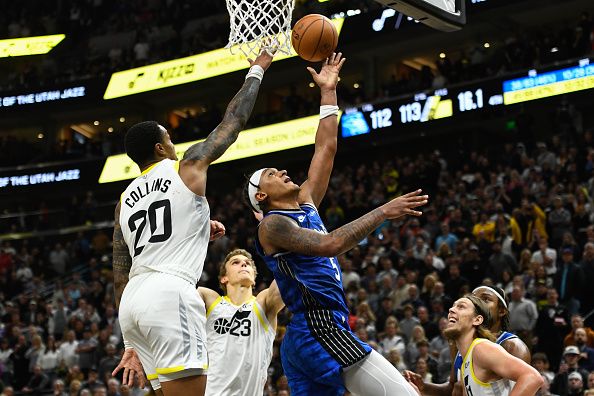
{"points": [[153, 223]]}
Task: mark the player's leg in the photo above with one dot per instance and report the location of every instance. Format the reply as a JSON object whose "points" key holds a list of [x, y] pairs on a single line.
{"points": [[186, 385], [174, 325], [375, 376], [130, 306]]}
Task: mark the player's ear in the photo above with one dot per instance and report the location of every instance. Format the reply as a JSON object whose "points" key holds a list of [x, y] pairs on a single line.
{"points": [[261, 196], [478, 320], [159, 149]]}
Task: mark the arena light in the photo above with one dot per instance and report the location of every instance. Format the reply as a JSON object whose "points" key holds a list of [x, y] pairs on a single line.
{"points": [[252, 142], [182, 71], [29, 45]]}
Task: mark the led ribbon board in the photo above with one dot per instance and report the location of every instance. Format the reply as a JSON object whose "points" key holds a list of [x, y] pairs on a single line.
{"points": [[29, 45], [184, 70], [557, 82], [251, 142]]}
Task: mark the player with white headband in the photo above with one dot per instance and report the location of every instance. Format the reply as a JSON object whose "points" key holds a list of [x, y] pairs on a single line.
{"points": [[494, 298], [320, 353]]}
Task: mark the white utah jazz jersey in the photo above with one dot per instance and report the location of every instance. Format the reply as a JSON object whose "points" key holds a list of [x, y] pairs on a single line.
{"points": [[165, 225], [239, 340], [474, 386]]}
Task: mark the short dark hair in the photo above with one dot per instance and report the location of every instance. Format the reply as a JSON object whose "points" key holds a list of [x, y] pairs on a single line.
{"points": [[140, 141]]}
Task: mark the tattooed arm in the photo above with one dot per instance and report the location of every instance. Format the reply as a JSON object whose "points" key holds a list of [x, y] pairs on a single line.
{"points": [[199, 156], [278, 233], [121, 259]]}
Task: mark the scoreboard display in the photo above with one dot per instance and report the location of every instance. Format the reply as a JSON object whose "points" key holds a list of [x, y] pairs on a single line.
{"points": [[464, 99]]}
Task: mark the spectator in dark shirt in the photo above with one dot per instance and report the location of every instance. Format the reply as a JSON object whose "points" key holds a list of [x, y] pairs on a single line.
{"points": [[38, 383], [568, 280]]}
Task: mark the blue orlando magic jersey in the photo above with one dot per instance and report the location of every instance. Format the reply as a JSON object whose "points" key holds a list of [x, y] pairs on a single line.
{"points": [[307, 282], [500, 340]]}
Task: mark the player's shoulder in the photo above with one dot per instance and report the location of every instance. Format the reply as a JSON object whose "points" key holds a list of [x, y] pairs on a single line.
{"points": [[516, 347]]}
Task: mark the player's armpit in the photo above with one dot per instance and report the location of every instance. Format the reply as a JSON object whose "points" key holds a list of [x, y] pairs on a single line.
{"points": [[122, 262]]}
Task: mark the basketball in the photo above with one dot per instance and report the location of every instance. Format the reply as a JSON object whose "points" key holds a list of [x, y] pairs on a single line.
{"points": [[314, 37]]}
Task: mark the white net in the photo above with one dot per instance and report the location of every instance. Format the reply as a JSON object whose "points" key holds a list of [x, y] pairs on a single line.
{"points": [[258, 24]]}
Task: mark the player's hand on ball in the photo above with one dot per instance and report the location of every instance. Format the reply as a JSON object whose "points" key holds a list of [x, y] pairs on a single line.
{"points": [[405, 205], [327, 78], [217, 230], [132, 368]]}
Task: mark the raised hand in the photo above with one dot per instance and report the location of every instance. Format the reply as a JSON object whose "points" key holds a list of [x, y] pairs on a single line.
{"points": [[132, 368], [266, 55], [327, 78], [404, 205]]}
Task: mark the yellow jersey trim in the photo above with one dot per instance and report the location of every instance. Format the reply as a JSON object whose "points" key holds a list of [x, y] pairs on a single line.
{"points": [[176, 166], [237, 306], [150, 168], [152, 376], [169, 370], [474, 343], [214, 304], [259, 315]]}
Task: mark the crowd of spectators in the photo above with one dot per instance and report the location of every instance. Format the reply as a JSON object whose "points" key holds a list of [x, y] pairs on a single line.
{"points": [[515, 214], [518, 215]]}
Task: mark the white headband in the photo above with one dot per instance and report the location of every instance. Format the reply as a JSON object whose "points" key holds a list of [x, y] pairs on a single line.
{"points": [[253, 186], [499, 296]]}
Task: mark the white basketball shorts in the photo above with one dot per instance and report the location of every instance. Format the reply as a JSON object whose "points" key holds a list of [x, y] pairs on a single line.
{"points": [[164, 319]]}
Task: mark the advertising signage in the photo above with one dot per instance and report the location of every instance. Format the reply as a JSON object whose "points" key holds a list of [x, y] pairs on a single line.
{"points": [[29, 45], [452, 102], [251, 142], [59, 96], [182, 71], [51, 175]]}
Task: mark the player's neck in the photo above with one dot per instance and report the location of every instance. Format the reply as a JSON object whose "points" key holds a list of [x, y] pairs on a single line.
{"points": [[148, 164], [463, 342], [496, 330], [239, 294], [286, 204]]}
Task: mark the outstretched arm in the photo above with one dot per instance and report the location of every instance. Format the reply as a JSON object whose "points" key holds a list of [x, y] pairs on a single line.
{"points": [[278, 233], [271, 301], [122, 262], [320, 169], [199, 156]]}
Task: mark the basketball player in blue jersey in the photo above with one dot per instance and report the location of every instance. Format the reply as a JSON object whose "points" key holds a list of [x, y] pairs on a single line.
{"points": [[320, 354], [494, 297]]}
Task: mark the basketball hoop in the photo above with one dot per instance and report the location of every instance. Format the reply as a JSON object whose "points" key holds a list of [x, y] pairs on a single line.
{"points": [[260, 24]]}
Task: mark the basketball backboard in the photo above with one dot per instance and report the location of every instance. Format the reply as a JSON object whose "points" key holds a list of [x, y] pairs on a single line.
{"points": [[445, 15]]}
